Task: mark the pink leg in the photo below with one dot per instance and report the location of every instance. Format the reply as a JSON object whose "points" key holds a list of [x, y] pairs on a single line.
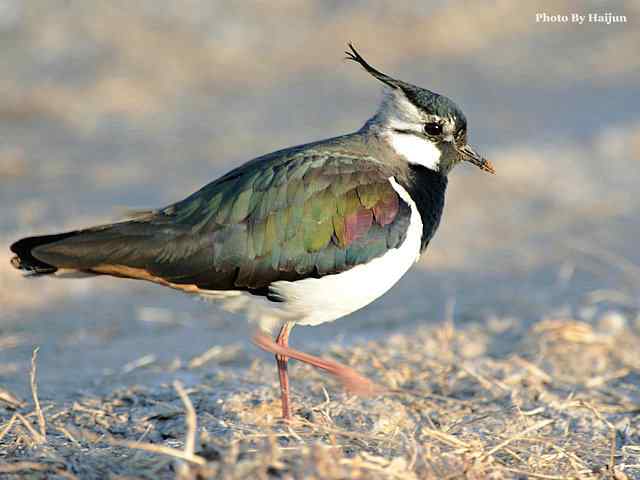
{"points": [[352, 380], [283, 340]]}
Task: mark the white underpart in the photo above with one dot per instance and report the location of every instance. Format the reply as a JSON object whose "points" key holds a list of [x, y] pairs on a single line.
{"points": [[313, 301], [416, 150]]}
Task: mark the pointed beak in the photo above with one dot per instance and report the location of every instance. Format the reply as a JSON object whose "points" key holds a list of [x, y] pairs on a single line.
{"points": [[468, 154]]}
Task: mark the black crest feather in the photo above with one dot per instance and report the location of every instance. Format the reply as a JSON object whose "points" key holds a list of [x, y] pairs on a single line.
{"points": [[354, 56]]}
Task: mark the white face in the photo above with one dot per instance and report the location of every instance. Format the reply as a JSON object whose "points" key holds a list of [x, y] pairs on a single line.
{"points": [[402, 126], [416, 150]]}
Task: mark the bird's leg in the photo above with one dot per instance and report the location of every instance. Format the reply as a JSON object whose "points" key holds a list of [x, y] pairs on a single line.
{"points": [[283, 340], [352, 380]]}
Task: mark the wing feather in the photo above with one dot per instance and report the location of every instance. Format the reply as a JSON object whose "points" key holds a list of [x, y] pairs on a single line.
{"points": [[305, 215]]}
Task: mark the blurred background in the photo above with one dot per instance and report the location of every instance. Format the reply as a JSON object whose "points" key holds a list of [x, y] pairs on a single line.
{"points": [[106, 106]]}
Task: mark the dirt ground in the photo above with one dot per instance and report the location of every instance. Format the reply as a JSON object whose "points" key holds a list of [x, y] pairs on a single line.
{"points": [[509, 351], [562, 401]]}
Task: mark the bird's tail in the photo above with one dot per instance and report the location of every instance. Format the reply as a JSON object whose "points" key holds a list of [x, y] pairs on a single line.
{"points": [[131, 243], [26, 261]]}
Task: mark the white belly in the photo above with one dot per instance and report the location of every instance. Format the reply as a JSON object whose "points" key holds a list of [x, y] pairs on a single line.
{"points": [[317, 300]]}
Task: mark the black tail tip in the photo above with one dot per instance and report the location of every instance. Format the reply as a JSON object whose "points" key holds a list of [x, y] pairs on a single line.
{"points": [[24, 259], [38, 268]]}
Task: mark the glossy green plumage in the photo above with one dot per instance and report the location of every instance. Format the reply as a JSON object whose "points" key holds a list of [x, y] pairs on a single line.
{"points": [[286, 216]]}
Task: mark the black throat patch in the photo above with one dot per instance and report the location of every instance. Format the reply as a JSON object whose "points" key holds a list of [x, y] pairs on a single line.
{"points": [[427, 189]]}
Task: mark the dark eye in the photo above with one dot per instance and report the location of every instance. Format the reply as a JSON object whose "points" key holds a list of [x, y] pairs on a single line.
{"points": [[432, 129]]}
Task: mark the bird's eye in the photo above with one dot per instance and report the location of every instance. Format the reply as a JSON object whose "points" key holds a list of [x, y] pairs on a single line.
{"points": [[433, 129]]}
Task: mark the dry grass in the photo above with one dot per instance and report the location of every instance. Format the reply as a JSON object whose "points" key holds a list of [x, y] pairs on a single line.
{"points": [[565, 403]]}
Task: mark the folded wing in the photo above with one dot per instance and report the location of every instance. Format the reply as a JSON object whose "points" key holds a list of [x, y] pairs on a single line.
{"points": [[307, 215]]}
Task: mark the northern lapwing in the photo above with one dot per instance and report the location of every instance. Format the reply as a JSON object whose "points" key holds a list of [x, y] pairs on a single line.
{"points": [[301, 236]]}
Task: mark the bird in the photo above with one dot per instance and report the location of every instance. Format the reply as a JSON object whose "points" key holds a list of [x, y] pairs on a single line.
{"points": [[301, 236]]}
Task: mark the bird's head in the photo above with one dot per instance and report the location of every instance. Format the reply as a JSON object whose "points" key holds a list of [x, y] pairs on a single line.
{"points": [[422, 126]]}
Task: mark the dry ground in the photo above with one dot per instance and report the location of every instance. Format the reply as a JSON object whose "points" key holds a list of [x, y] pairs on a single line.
{"points": [[563, 402]]}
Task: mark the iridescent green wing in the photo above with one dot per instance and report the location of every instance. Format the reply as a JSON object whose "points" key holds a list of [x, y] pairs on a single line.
{"points": [[282, 217], [305, 217]]}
